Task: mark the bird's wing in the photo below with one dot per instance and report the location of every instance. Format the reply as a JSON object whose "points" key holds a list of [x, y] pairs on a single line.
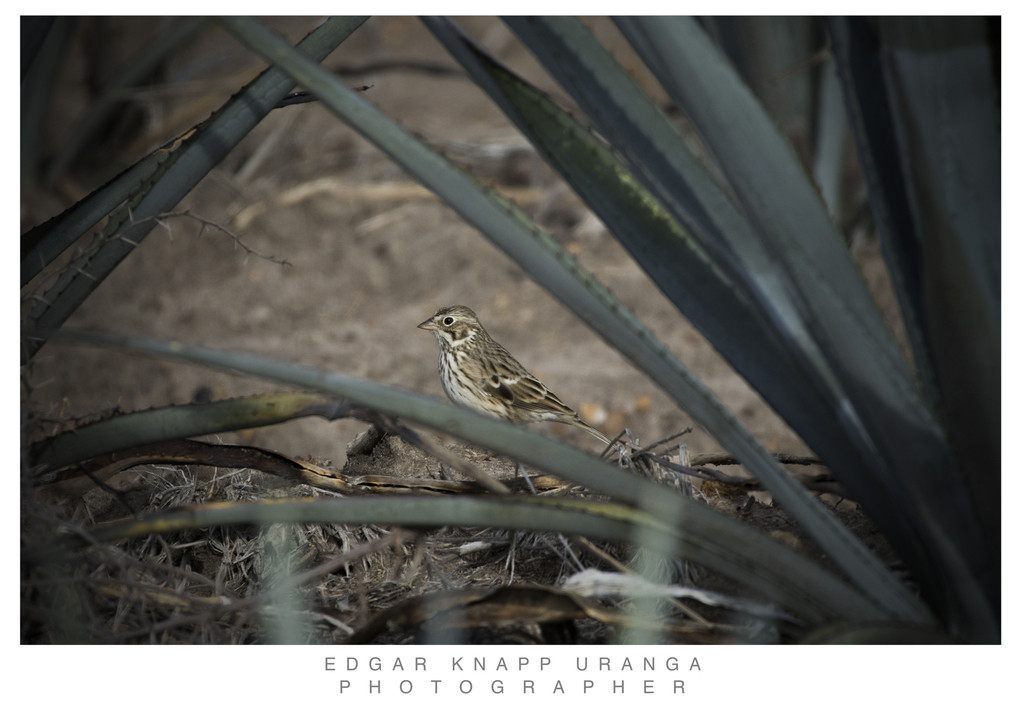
{"points": [[527, 392], [509, 380]]}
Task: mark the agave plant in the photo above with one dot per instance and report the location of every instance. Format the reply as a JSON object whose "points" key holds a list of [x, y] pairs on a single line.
{"points": [[757, 264]]}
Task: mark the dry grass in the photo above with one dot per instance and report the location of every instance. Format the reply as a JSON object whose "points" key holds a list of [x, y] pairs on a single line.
{"points": [[320, 583]]}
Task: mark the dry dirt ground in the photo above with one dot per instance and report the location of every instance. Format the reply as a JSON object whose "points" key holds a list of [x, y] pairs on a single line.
{"points": [[370, 255]]}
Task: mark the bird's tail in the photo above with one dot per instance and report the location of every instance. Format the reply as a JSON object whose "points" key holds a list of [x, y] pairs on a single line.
{"points": [[591, 430]]}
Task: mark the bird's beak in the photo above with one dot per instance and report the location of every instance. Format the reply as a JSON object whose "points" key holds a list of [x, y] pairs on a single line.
{"points": [[428, 325]]}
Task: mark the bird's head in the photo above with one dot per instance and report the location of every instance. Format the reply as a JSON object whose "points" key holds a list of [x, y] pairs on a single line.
{"points": [[454, 324]]}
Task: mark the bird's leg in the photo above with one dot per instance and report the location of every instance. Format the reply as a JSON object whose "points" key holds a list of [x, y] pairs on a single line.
{"points": [[510, 561], [526, 477]]}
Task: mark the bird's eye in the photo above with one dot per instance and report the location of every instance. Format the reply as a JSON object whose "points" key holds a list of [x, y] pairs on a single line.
{"points": [[448, 320]]}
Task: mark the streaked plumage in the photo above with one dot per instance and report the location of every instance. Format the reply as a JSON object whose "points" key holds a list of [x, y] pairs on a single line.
{"points": [[479, 374]]}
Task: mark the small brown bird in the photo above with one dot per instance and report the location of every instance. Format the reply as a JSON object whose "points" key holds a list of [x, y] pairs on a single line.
{"points": [[479, 374]]}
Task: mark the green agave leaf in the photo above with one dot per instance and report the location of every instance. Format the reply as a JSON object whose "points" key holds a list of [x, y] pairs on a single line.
{"points": [[929, 146], [175, 422], [920, 99], [761, 166], [960, 219], [761, 333], [871, 121], [772, 54], [663, 245], [942, 80], [887, 409], [830, 141], [43, 244], [191, 162], [790, 219]]}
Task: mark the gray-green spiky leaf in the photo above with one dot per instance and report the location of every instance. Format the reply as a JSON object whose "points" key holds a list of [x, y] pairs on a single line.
{"points": [[175, 422]]}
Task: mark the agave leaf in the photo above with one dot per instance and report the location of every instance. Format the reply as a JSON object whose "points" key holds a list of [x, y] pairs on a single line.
{"points": [[762, 332], [201, 152], [930, 149], [922, 105], [830, 142], [175, 422], [949, 132], [45, 242], [783, 205], [931, 520], [789, 217], [771, 54]]}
